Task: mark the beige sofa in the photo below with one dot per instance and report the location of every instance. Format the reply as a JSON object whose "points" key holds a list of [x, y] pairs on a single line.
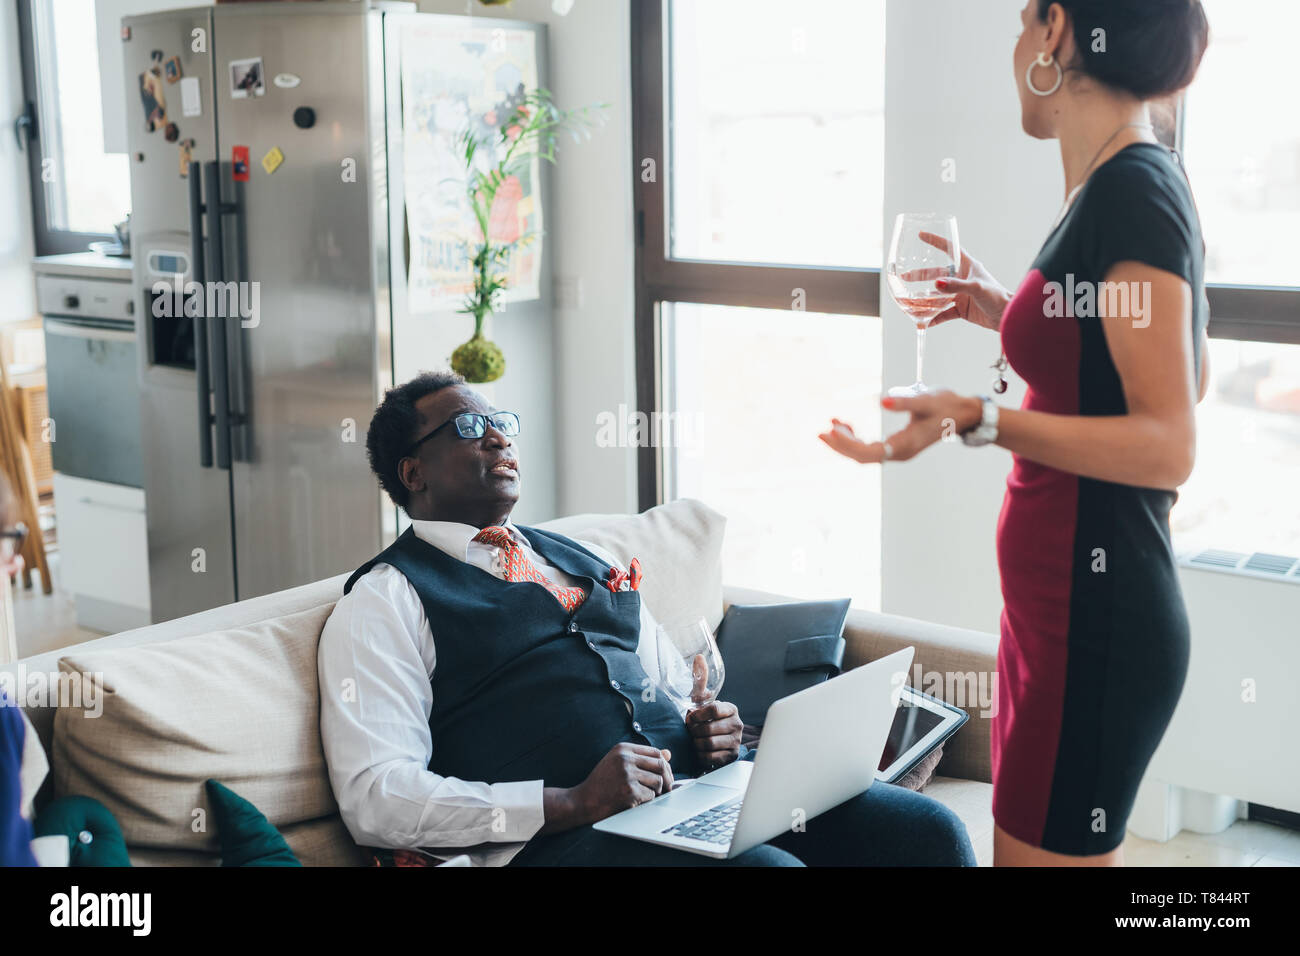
{"points": [[232, 693]]}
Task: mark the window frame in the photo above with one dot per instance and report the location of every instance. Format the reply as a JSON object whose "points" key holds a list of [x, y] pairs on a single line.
{"points": [[1251, 313], [48, 241], [662, 278]]}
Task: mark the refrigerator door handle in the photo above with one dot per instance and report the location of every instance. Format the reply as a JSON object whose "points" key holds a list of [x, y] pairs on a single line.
{"points": [[238, 389], [217, 325], [198, 273]]}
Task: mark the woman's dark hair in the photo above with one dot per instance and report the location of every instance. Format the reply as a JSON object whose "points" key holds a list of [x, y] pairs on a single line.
{"points": [[1149, 48], [392, 430]]}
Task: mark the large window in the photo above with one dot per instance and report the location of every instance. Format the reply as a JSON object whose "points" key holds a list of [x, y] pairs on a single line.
{"points": [[759, 136], [1242, 144], [1243, 155], [767, 92], [78, 191], [800, 521], [759, 143]]}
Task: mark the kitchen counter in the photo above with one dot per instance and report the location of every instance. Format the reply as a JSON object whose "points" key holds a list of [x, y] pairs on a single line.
{"points": [[85, 264]]}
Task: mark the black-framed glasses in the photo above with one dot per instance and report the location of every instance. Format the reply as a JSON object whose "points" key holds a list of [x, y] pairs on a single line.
{"points": [[474, 425]]}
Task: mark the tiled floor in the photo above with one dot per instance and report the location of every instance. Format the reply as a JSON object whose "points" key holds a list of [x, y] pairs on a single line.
{"points": [[1245, 843]]}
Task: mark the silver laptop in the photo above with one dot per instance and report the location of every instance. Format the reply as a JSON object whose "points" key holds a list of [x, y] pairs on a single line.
{"points": [[820, 747]]}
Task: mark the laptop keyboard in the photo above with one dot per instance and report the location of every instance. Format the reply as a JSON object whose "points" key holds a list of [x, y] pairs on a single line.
{"points": [[714, 825]]}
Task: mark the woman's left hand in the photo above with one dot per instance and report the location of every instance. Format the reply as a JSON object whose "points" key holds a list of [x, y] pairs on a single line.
{"points": [[938, 416]]}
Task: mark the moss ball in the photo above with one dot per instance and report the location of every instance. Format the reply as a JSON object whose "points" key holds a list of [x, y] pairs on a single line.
{"points": [[479, 361]]}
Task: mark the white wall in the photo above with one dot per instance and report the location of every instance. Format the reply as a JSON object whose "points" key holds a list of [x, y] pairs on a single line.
{"points": [[950, 95], [590, 244], [17, 292]]}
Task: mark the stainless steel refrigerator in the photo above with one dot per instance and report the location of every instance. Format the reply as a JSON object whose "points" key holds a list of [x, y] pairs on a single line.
{"points": [[253, 426]]}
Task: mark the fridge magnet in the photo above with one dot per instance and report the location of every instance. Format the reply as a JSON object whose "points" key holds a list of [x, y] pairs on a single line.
{"points": [[246, 78], [272, 160], [286, 81], [191, 101], [239, 164], [153, 100], [172, 69], [187, 156], [171, 132]]}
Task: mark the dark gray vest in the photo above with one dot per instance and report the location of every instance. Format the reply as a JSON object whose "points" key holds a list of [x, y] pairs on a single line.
{"points": [[522, 689]]}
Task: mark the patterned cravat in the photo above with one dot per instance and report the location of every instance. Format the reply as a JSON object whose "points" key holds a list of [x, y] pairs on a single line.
{"points": [[517, 567]]}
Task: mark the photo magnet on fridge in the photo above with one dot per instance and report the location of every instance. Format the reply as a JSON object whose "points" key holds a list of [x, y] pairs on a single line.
{"points": [[239, 164], [246, 78], [153, 100], [172, 69]]}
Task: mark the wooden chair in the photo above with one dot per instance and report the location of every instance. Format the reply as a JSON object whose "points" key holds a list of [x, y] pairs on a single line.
{"points": [[16, 463]]}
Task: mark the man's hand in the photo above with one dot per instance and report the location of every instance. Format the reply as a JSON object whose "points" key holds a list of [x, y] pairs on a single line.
{"points": [[628, 776], [715, 729]]}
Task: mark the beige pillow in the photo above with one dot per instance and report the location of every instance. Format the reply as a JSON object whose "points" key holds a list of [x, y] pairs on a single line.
{"points": [[680, 548], [241, 706]]}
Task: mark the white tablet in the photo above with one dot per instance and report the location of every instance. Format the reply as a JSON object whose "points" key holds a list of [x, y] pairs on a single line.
{"points": [[921, 723]]}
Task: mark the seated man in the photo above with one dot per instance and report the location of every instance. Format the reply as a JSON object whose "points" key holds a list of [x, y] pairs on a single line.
{"points": [[481, 687]]}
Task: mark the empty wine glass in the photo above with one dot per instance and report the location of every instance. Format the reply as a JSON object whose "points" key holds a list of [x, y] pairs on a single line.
{"points": [[925, 248], [690, 665]]}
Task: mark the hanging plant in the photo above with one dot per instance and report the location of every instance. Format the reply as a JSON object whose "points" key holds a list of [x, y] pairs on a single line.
{"points": [[529, 129]]}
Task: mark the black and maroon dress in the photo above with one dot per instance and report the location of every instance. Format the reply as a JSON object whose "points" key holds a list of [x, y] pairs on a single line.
{"points": [[1095, 638]]}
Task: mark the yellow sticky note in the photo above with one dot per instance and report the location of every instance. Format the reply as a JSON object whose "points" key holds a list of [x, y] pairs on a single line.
{"points": [[272, 160]]}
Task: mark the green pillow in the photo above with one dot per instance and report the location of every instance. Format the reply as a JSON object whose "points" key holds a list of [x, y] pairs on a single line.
{"points": [[246, 836], [94, 838]]}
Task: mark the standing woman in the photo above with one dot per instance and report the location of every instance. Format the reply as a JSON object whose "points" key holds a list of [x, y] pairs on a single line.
{"points": [[1095, 638]]}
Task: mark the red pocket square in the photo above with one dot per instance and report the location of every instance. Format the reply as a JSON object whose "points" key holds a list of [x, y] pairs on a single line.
{"points": [[629, 580]]}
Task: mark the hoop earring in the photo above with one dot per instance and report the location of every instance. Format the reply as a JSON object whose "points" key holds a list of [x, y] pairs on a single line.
{"points": [[1044, 60]]}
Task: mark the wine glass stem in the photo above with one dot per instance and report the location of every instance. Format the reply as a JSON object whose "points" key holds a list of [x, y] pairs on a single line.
{"points": [[920, 353]]}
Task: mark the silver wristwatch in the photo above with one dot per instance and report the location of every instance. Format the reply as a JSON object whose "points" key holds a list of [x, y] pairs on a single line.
{"points": [[986, 432]]}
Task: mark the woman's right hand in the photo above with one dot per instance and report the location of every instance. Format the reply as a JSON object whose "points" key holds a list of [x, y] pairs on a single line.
{"points": [[981, 299]]}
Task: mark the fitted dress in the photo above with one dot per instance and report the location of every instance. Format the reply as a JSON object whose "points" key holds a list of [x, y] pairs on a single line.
{"points": [[1094, 634]]}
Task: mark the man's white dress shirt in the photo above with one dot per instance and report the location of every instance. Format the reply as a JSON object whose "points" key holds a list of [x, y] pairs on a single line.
{"points": [[375, 661]]}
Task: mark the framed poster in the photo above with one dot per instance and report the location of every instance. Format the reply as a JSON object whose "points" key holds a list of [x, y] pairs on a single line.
{"points": [[458, 76]]}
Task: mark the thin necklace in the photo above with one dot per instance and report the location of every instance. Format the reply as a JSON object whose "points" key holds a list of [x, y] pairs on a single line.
{"points": [[1074, 193], [1001, 365]]}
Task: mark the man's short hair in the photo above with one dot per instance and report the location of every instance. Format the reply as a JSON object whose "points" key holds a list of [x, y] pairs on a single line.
{"points": [[393, 429]]}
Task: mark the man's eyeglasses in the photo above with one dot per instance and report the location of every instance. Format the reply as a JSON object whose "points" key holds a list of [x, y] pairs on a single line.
{"points": [[475, 425]]}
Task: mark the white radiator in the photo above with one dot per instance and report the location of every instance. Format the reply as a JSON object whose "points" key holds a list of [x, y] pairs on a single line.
{"points": [[1233, 738]]}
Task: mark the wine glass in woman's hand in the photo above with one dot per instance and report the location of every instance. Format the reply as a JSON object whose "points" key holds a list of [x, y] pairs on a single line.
{"points": [[981, 299]]}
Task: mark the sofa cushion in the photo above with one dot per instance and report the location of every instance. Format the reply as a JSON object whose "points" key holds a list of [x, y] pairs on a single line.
{"points": [[972, 801], [239, 705], [680, 548]]}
